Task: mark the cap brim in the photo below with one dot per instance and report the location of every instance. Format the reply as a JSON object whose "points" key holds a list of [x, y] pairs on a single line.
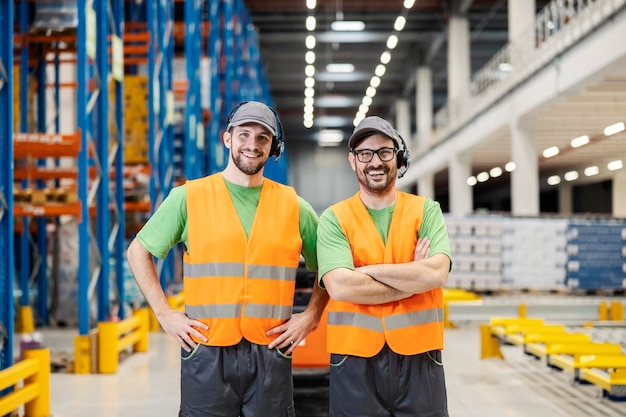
{"points": [[245, 121], [357, 136]]}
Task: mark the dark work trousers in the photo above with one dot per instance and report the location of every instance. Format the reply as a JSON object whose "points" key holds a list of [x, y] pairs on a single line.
{"points": [[388, 385], [245, 380]]}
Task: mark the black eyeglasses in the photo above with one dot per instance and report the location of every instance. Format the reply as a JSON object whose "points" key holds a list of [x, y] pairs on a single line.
{"points": [[366, 155]]}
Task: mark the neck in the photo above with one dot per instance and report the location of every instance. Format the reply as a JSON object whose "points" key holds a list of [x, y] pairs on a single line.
{"points": [[234, 175], [377, 201]]}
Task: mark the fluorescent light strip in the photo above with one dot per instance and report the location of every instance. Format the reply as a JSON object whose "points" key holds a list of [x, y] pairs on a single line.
{"points": [[580, 141], [309, 70], [613, 129], [347, 26], [380, 70], [554, 180], [550, 152]]}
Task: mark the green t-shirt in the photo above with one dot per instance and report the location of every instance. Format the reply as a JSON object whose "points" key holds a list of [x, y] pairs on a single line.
{"points": [[333, 247], [168, 225]]}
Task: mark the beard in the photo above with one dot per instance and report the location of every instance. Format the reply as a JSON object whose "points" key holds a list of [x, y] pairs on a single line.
{"points": [[377, 187], [246, 166]]}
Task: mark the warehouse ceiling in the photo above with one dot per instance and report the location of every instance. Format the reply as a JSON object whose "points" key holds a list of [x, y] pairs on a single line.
{"points": [[423, 41]]}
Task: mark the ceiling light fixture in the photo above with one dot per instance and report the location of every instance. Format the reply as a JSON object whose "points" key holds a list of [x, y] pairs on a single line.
{"points": [[347, 26], [311, 23], [408, 3], [392, 42], [570, 176], [310, 4], [385, 57], [510, 166], [505, 67], [591, 171], [310, 42], [580, 141], [554, 180], [375, 81], [399, 23], [340, 68], [472, 181], [613, 129], [495, 172], [330, 136], [550, 152], [380, 70], [615, 165], [482, 177], [309, 57]]}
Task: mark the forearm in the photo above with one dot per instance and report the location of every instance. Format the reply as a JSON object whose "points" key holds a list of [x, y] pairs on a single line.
{"points": [[357, 287], [142, 266], [317, 303], [414, 277]]}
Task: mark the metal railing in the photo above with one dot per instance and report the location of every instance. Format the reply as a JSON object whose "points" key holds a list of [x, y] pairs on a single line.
{"points": [[557, 27]]}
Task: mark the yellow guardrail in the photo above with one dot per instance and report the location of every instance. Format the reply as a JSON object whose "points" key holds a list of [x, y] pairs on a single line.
{"points": [[601, 364], [454, 294], [116, 337], [605, 371], [34, 393]]}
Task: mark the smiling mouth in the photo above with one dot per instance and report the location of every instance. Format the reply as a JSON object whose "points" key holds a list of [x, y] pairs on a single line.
{"points": [[250, 156]]}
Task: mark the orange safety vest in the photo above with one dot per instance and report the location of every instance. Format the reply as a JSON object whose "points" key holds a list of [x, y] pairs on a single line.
{"points": [[238, 286], [410, 326]]}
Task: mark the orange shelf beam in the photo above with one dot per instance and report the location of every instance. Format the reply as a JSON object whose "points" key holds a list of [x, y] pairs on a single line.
{"points": [[43, 145]]}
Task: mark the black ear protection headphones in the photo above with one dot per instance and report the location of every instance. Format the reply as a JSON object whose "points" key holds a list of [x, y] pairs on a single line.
{"points": [[278, 141], [403, 158]]}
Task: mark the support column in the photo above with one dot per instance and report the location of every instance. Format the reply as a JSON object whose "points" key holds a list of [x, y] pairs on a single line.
{"points": [[565, 199], [426, 186], [403, 120], [458, 65], [461, 198], [525, 178], [619, 196], [521, 30], [424, 107]]}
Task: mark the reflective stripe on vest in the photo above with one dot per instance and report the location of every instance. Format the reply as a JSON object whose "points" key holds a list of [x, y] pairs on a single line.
{"points": [[216, 269], [240, 286], [410, 326], [223, 311]]}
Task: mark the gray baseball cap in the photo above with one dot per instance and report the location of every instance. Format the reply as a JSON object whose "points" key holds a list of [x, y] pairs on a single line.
{"points": [[254, 112], [369, 126]]}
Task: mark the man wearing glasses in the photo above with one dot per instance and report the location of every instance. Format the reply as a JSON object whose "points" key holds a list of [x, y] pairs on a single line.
{"points": [[384, 257]]}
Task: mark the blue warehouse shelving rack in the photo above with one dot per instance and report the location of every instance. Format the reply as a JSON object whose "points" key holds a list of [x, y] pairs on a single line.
{"points": [[96, 149], [237, 74], [104, 47], [6, 184]]}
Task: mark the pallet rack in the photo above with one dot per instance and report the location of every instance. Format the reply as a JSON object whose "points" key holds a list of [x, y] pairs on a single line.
{"points": [[6, 183], [220, 31]]}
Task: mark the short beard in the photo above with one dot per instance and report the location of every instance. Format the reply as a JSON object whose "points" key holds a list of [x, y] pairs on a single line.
{"points": [[248, 169], [376, 188]]}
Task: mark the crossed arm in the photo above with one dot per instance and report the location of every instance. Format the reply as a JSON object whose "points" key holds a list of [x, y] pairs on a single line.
{"points": [[383, 283]]}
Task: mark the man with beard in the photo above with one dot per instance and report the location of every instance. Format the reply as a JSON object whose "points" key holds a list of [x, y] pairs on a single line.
{"points": [[243, 236], [384, 256]]}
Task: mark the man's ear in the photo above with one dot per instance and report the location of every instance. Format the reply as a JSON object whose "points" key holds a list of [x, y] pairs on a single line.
{"points": [[352, 160], [227, 137]]}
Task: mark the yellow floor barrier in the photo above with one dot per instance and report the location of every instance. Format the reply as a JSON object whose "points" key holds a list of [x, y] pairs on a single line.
{"points": [[116, 337], [34, 393], [605, 371]]}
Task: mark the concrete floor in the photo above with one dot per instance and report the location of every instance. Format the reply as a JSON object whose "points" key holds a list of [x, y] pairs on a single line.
{"points": [[519, 386]]}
